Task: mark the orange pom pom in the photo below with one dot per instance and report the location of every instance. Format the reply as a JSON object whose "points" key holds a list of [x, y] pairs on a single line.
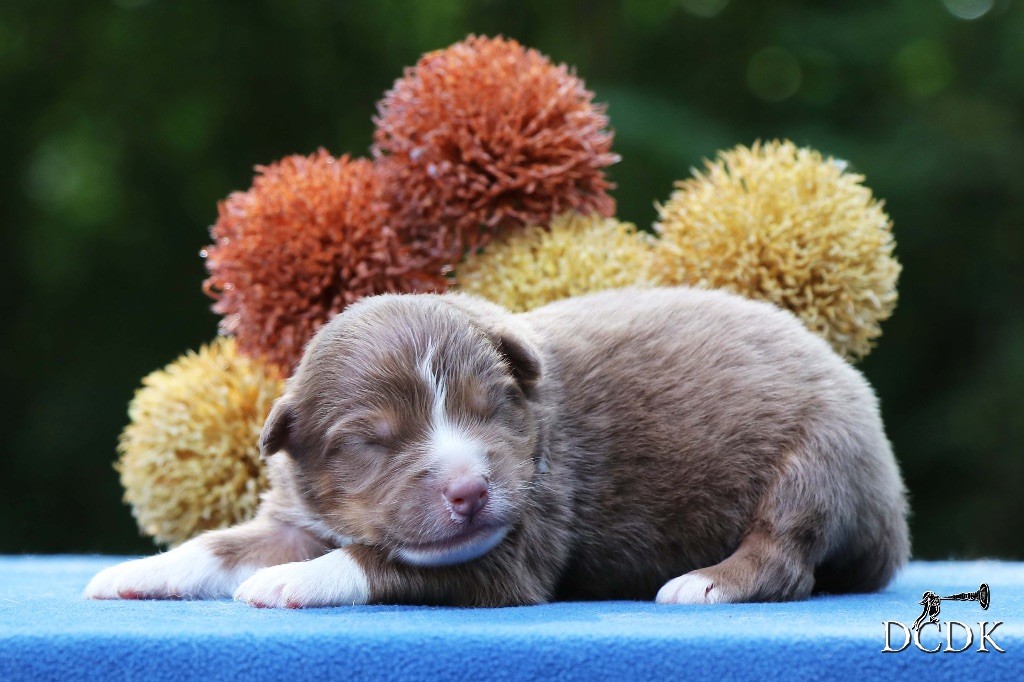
{"points": [[310, 237], [486, 135]]}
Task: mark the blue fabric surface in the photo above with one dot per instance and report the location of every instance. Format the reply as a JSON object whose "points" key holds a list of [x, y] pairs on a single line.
{"points": [[48, 632]]}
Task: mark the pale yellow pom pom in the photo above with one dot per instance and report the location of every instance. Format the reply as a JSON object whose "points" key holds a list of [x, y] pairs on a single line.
{"points": [[783, 224], [190, 459], [575, 255]]}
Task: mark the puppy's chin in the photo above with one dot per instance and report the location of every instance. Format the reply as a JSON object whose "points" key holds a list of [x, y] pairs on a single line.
{"points": [[457, 550]]}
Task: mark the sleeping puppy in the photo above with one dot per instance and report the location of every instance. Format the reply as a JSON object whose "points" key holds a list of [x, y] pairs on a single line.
{"points": [[689, 446]]}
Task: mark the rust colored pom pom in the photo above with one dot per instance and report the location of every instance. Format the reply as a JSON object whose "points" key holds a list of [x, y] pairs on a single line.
{"points": [[189, 456], [781, 223], [576, 255], [486, 135], [310, 237]]}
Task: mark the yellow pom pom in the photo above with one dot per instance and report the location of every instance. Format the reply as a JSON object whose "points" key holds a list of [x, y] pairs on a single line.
{"points": [[190, 459], [577, 255], [779, 223]]}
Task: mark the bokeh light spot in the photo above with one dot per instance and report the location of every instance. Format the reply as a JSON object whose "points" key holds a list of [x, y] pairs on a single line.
{"points": [[968, 9], [774, 74], [924, 68], [72, 173], [704, 8]]}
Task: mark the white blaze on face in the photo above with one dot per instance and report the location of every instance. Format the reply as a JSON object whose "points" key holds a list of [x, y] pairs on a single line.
{"points": [[452, 449]]}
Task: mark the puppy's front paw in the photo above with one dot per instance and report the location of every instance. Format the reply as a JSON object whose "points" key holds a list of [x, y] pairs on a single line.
{"points": [[190, 571], [335, 579], [691, 588]]}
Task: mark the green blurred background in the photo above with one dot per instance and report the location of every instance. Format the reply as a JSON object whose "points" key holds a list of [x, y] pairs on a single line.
{"points": [[124, 123]]}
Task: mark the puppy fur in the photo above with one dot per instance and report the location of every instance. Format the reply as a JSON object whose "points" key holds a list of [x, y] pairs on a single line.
{"points": [[685, 445]]}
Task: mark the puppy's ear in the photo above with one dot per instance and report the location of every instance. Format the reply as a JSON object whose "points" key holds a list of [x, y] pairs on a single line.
{"points": [[522, 357], [519, 351], [277, 430]]}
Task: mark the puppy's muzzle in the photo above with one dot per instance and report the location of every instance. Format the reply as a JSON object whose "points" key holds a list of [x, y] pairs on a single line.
{"points": [[466, 496]]}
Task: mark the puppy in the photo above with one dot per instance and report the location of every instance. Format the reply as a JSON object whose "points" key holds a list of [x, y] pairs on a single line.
{"points": [[687, 445]]}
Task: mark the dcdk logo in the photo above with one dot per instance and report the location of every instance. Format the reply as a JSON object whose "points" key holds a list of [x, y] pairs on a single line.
{"points": [[932, 604]]}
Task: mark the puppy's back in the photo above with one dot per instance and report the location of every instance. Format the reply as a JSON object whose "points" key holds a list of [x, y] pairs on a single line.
{"points": [[680, 409]]}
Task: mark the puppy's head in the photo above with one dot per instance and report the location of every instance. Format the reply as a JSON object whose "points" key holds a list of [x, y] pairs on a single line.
{"points": [[411, 425]]}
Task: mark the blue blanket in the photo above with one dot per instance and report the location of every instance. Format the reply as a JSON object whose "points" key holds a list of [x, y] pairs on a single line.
{"points": [[48, 632]]}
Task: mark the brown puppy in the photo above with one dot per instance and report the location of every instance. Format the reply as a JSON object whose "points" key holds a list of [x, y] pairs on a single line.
{"points": [[689, 445]]}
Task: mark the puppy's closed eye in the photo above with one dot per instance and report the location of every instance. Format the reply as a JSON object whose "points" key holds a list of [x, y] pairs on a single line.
{"points": [[353, 452], [371, 438], [497, 401], [370, 447]]}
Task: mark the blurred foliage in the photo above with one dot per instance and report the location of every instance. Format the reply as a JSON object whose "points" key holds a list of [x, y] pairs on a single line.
{"points": [[124, 123]]}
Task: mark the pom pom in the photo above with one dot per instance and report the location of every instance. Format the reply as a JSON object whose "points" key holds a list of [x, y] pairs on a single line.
{"points": [[310, 237], [577, 255], [486, 135], [783, 224], [190, 459]]}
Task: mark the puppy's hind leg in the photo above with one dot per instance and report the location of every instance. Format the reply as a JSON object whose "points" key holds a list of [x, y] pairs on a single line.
{"points": [[209, 566], [761, 569], [791, 531]]}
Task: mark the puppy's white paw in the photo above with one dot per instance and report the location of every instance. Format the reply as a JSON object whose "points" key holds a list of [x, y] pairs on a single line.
{"points": [[335, 579], [190, 571], [691, 588]]}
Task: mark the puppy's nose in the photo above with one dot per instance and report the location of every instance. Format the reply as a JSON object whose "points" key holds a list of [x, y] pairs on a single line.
{"points": [[466, 495]]}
